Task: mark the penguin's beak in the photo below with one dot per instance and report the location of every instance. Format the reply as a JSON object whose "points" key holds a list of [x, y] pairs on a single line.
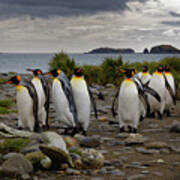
{"points": [[30, 70]]}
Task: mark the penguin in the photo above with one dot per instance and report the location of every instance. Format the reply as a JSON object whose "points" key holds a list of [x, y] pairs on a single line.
{"points": [[145, 75], [26, 98], [63, 101], [129, 110], [157, 83], [83, 98], [170, 90], [42, 90]]}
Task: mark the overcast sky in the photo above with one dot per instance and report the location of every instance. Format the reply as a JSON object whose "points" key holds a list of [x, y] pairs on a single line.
{"points": [[82, 25]]}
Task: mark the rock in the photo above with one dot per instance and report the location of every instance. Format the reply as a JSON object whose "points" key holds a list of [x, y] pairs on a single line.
{"points": [[147, 151], [122, 135], [134, 139], [137, 177], [103, 118], [137, 165], [156, 145], [92, 159], [97, 178], [46, 163], [175, 127], [70, 141], [90, 142], [116, 172], [35, 159], [9, 155], [57, 155], [70, 171], [175, 149], [54, 139], [17, 165]]}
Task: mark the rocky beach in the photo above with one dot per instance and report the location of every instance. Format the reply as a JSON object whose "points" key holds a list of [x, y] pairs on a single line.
{"points": [[104, 154]]}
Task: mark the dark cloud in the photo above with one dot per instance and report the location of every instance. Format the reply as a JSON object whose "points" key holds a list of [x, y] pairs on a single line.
{"points": [[46, 8], [171, 23], [174, 14]]}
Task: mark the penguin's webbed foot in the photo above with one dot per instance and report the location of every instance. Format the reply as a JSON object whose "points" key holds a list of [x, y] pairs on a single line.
{"points": [[74, 131], [160, 116], [168, 113], [122, 129], [134, 130], [45, 127], [84, 133]]}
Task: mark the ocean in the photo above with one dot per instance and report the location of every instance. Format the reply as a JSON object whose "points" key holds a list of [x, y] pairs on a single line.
{"points": [[19, 62]]}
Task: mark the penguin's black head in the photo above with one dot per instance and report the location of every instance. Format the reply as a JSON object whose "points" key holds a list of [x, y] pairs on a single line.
{"points": [[78, 72], [54, 73], [129, 73], [14, 80], [36, 72], [166, 68], [160, 69], [145, 69]]}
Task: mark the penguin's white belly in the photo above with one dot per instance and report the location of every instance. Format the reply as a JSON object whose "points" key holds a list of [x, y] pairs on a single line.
{"points": [[158, 84], [61, 104], [25, 109], [40, 93], [145, 78], [171, 82], [129, 105], [82, 102]]}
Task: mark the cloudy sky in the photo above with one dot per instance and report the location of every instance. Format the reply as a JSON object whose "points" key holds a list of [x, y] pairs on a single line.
{"points": [[82, 25]]}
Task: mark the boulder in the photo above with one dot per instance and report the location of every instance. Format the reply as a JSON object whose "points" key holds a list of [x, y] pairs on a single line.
{"points": [[57, 155], [134, 139], [17, 165], [175, 127]]}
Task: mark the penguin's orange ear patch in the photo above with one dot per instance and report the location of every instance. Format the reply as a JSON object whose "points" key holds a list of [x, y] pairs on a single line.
{"points": [[59, 71], [18, 78], [39, 73]]}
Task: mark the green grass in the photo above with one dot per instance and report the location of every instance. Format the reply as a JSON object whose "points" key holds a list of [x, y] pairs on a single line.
{"points": [[4, 110], [2, 80], [13, 145], [7, 103]]}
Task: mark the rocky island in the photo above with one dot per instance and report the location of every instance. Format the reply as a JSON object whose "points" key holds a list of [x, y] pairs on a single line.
{"points": [[164, 49], [107, 50]]}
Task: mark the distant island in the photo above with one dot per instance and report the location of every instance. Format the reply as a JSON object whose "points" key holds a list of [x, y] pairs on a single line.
{"points": [[164, 49], [160, 49], [107, 50]]}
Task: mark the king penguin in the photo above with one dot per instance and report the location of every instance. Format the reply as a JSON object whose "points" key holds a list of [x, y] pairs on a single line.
{"points": [[26, 98], [157, 83], [63, 100], [83, 98], [42, 90], [170, 90], [145, 75], [129, 109]]}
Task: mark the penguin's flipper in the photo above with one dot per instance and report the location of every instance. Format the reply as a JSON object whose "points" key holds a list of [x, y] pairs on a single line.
{"points": [[66, 86], [97, 93], [170, 90], [114, 101], [33, 94], [47, 94], [93, 102], [152, 92]]}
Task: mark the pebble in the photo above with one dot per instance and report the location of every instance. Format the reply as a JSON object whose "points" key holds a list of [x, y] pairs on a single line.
{"points": [[156, 145], [175, 127], [70, 171], [147, 151], [136, 177]]}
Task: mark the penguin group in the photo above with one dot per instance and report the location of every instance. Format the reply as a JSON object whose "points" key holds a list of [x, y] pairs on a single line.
{"points": [[142, 94], [71, 99]]}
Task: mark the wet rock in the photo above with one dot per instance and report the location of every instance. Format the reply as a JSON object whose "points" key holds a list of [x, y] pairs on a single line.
{"points": [[137, 177], [134, 139], [92, 159], [70, 141], [54, 139], [90, 142], [175, 149], [70, 171], [175, 127], [156, 145], [46, 163], [147, 151], [116, 172], [136, 165], [122, 135], [57, 155], [17, 165]]}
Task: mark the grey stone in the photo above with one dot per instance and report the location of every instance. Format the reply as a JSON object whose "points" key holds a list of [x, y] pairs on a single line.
{"points": [[70, 171], [147, 151], [175, 127], [116, 172], [90, 142], [9, 155], [122, 135], [17, 165], [136, 177], [156, 145], [175, 149]]}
